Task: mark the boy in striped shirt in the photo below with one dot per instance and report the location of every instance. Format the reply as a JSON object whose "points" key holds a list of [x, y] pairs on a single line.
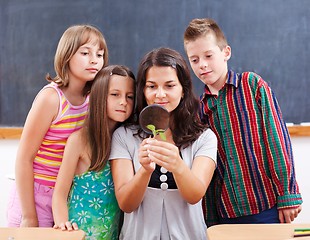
{"points": [[255, 178]]}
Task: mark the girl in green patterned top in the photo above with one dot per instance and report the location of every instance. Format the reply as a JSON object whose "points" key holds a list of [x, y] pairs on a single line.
{"points": [[84, 195]]}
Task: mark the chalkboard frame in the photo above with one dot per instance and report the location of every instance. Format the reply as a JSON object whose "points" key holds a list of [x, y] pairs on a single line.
{"points": [[15, 132]]}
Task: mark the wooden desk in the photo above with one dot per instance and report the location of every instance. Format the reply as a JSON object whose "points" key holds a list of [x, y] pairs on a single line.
{"points": [[15, 132], [40, 234], [255, 232]]}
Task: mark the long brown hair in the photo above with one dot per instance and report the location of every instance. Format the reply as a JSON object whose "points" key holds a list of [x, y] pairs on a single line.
{"points": [[96, 127], [186, 126]]}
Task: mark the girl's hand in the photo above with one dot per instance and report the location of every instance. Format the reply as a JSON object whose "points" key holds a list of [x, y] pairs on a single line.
{"points": [[164, 154], [144, 159], [66, 226]]}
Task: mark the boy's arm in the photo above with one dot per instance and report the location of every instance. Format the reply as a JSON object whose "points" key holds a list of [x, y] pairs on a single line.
{"points": [[279, 150]]}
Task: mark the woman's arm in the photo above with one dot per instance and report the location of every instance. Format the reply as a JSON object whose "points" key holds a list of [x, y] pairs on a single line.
{"points": [[39, 119], [192, 183], [129, 186]]}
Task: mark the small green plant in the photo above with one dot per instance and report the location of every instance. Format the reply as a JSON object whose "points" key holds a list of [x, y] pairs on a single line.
{"points": [[155, 131]]}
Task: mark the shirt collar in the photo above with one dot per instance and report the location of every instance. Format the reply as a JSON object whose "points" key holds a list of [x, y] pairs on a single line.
{"points": [[232, 79]]}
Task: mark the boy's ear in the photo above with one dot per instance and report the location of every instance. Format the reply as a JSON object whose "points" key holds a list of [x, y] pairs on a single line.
{"points": [[227, 53]]}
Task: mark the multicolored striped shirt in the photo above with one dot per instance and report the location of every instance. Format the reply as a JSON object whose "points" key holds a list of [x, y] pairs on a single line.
{"points": [[255, 168], [49, 157]]}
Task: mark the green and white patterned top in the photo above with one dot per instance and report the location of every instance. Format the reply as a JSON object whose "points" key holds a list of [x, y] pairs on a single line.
{"points": [[93, 206]]}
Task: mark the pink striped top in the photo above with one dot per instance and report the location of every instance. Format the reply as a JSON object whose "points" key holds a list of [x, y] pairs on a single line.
{"points": [[48, 159]]}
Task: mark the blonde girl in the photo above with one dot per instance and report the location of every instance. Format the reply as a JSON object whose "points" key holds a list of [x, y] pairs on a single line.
{"points": [[58, 110]]}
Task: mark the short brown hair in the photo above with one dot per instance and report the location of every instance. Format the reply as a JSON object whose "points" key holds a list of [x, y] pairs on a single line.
{"points": [[200, 27]]}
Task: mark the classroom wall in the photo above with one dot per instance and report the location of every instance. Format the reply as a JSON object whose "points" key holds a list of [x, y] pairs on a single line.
{"points": [[301, 151]]}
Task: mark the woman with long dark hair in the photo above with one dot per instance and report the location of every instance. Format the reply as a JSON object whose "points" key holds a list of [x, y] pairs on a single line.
{"points": [[159, 184]]}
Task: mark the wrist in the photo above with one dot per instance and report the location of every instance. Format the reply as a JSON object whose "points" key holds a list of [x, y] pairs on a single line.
{"points": [[29, 222], [180, 169], [29, 216], [145, 172]]}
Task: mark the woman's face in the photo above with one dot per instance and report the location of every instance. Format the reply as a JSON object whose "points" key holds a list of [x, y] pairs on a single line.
{"points": [[163, 87]]}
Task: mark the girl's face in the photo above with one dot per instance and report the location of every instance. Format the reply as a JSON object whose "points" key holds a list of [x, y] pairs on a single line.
{"points": [[163, 87], [120, 101], [208, 61], [86, 62]]}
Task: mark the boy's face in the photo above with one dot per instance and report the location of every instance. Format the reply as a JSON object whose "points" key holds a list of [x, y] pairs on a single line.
{"points": [[208, 61]]}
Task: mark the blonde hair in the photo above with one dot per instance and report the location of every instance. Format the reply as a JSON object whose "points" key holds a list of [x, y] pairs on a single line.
{"points": [[200, 27], [72, 39]]}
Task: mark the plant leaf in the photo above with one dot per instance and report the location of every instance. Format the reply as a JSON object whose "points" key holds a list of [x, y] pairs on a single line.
{"points": [[162, 135], [155, 132], [151, 127]]}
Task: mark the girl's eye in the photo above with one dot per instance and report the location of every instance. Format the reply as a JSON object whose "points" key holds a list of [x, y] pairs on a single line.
{"points": [[114, 94], [99, 55], [84, 53], [194, 60], [131, 97], [150, 86], [208, 56]]}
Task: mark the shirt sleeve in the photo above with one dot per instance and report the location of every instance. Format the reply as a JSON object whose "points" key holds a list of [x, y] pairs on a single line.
{"points": [[119, 147], [207, 145], [279, 149]]}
